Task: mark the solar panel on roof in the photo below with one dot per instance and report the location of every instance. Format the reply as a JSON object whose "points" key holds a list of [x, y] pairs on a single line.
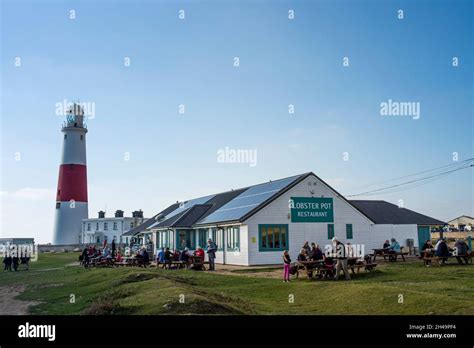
{"points": [[248, 200], [189, 204]]}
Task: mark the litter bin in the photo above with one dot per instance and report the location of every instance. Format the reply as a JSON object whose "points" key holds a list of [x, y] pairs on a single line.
{"points": [[411, 246]]}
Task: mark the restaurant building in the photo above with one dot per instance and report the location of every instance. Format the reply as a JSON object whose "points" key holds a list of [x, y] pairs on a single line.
{"points": [[253, 225]]}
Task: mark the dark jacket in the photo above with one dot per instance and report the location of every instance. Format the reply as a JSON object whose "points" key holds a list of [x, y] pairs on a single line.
{"points": [[442, 250], [286, 259], [316, 254]]}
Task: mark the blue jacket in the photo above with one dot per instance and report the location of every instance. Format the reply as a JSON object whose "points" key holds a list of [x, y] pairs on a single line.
{"points": [[395, 247]]}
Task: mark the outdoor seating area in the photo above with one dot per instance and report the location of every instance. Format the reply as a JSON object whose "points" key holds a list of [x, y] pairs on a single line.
{"points": [[164, 258]]}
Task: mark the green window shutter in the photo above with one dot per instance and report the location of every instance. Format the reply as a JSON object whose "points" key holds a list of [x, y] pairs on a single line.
{"points": [[330, 231], [349, 231]]}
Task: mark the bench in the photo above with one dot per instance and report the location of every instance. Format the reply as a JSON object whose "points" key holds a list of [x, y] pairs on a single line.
{"points": [[439, 260], [394, 256], [368, 267]]}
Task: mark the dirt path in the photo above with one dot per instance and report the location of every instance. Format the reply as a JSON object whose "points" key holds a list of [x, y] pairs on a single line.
{"points": [[9, 305]]}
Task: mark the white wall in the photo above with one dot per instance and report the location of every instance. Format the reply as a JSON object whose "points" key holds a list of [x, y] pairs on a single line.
{"points": [[277, 213], [400, 232]]}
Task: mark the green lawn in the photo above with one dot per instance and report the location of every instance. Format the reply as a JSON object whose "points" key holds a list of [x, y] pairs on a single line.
{"points": [[51, 281]]}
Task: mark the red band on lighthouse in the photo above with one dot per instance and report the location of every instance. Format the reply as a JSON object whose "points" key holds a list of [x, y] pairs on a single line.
{"points": [[72, 183]]}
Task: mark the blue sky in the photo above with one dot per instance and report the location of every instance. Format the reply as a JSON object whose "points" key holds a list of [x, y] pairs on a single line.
{"points": [[190, 62]]}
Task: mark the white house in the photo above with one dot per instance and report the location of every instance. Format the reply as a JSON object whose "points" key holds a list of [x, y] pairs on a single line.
{"points": [[109, 228], [461, 223], [253, 225]]}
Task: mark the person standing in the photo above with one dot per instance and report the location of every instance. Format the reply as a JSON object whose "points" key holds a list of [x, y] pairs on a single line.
{"points": [[113, 248], [211, 254], [286, 266], [341, 257]]}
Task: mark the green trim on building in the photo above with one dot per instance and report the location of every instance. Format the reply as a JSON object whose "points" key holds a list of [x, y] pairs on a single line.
{"points": [[280, 230]]}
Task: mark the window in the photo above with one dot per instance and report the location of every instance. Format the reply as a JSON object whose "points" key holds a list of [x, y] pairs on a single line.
{"points": [[97, 226], [330, 231], [106, 226], [349, 231], [131, 225], [233, 238], [273, 237], [98, 240], [202, 237], [185, 239], [165, 239], [65, 136], [58, 205], [115, 225], [82, 137], [217, 237], [88, 226]]}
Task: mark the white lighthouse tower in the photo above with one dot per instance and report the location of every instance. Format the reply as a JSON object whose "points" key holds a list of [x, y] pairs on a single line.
{"points": [[71, 196]]}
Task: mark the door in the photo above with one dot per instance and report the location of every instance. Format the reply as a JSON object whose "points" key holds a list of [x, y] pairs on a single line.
{"points": [[423, 235]]}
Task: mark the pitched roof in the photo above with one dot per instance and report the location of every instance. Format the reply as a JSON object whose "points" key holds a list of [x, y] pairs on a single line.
{"points": [[382, 212], [250, 200], [186, 218], [147, 223]]}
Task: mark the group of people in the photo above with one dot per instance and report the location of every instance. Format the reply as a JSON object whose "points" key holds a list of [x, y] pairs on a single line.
{"points": [[165, 256], [11, 263], [392, 248], [442, 251], [340, 253], [91, 254]]}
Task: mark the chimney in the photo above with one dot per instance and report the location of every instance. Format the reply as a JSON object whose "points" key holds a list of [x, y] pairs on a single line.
{"points": [[119, 213], [137, 214], [101, 214]]}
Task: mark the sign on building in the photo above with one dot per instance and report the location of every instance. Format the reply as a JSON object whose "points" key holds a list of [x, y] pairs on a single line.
{"points": [[311, 209]]}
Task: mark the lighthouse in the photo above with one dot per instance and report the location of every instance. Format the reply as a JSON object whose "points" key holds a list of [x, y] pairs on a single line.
{"points": [[71, 196]]}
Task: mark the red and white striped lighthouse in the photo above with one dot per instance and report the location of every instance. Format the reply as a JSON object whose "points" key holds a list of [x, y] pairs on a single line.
{"points": [[71, 196]]}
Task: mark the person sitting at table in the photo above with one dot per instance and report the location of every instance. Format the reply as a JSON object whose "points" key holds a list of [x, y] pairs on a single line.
{"points": [[316, 253], [167, 257], [200, 253], [463, 250], [184, 256], [426, 252], [160, 257], [443, 251], [386, 245], [306, 248], [119, 257], [393, 250], [302, 255], [328, 267], [175, 255]]}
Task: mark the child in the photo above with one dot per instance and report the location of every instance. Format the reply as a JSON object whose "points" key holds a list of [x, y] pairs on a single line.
{"points": [[286, 269]]}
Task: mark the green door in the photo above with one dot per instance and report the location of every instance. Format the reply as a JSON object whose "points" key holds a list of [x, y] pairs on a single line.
{"points": [[423, 235]]}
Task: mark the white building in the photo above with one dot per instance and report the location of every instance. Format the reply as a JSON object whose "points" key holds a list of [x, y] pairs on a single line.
{"points": [[95, 231], [253, 225], [462, 223]]}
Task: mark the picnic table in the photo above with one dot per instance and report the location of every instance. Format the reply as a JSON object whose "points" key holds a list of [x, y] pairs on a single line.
{"points": [[197, 263], [310, 266], [385, 254], [431, 257]]}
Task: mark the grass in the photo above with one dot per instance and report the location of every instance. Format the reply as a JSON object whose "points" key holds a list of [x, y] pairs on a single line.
{"points": [[52, 281]]}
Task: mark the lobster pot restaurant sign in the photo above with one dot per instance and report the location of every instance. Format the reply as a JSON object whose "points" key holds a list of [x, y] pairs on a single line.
{"points": [[311, 209]]}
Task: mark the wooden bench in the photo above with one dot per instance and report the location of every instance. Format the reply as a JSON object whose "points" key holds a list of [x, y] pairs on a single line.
{"points": [[432, 259], [395, 255], [368, 267]]}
